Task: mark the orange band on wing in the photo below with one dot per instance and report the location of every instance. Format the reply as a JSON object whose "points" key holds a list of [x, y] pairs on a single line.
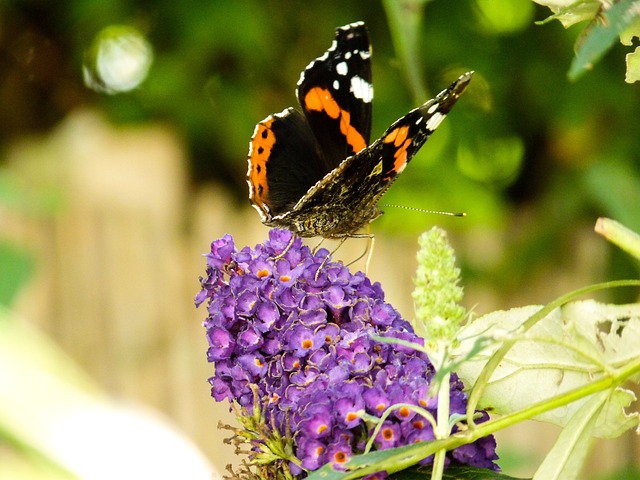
{"points": [[320, 100], [262, 142], [399, 139], [397, 136]]}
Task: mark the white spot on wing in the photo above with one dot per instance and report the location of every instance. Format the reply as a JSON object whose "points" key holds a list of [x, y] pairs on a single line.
{"points": [[361, 89], [336, 85], [433, 108], [435, 120], [352, 25], [342, 68]]}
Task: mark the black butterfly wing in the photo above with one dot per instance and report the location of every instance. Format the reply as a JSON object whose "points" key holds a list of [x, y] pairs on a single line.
{"points": [[284, 162], [335, 93]]}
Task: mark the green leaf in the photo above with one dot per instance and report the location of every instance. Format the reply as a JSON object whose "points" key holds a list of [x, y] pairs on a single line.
{"points": [[392, 460], [567, 456], [633, 66], [397, 461], [569, 12], [601, 34], [568, 349]]}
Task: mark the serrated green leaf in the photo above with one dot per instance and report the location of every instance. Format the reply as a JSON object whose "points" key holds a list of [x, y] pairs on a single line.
{"points": [[601, 34], [571, 347], [607, 425]]}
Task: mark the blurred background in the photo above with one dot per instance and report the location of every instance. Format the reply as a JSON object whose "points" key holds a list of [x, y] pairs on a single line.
{"points": [[124, 130]]}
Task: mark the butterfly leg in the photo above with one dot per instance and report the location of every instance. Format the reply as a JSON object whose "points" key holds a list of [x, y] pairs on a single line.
{"points": [[286, 249], [368, 251], [315, 249], [369, 254], [342, 240]]}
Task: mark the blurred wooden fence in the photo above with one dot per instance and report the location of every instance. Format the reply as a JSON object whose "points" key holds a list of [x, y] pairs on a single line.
{"points": [[118, 264]]}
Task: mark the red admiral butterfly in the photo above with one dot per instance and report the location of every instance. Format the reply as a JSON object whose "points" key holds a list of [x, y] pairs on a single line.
{"points": [[316, 174]]}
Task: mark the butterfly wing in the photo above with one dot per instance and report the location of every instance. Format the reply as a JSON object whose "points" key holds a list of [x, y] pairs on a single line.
{"points": [[335, 93], [402, 140], [284, 162], [345, 199]]}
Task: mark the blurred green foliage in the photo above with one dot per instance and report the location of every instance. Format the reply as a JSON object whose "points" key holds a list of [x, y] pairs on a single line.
{"points": [[15, 269], [525, 151]]}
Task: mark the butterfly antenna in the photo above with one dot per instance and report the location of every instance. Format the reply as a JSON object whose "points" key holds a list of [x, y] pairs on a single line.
{"points": [[422, 210]]}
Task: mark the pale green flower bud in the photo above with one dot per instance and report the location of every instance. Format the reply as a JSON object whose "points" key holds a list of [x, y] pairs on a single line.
{"points": [[437, 293]]}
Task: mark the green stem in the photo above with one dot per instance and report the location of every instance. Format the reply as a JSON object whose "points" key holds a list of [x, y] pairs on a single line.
{"points": [[443, 428], [619, 235], [405, 19]]}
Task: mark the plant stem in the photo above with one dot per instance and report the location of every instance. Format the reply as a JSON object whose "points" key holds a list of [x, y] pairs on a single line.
{"points": [[443, 428]]}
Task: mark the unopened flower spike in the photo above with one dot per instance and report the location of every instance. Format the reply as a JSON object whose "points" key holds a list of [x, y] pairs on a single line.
{"points": [[437, 293]]}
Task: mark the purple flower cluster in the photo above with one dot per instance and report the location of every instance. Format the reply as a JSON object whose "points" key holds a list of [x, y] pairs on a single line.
{"points": [[300, 329]]}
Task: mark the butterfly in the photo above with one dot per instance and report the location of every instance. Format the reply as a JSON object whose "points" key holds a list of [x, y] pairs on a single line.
{"points": [[315, 173]]}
